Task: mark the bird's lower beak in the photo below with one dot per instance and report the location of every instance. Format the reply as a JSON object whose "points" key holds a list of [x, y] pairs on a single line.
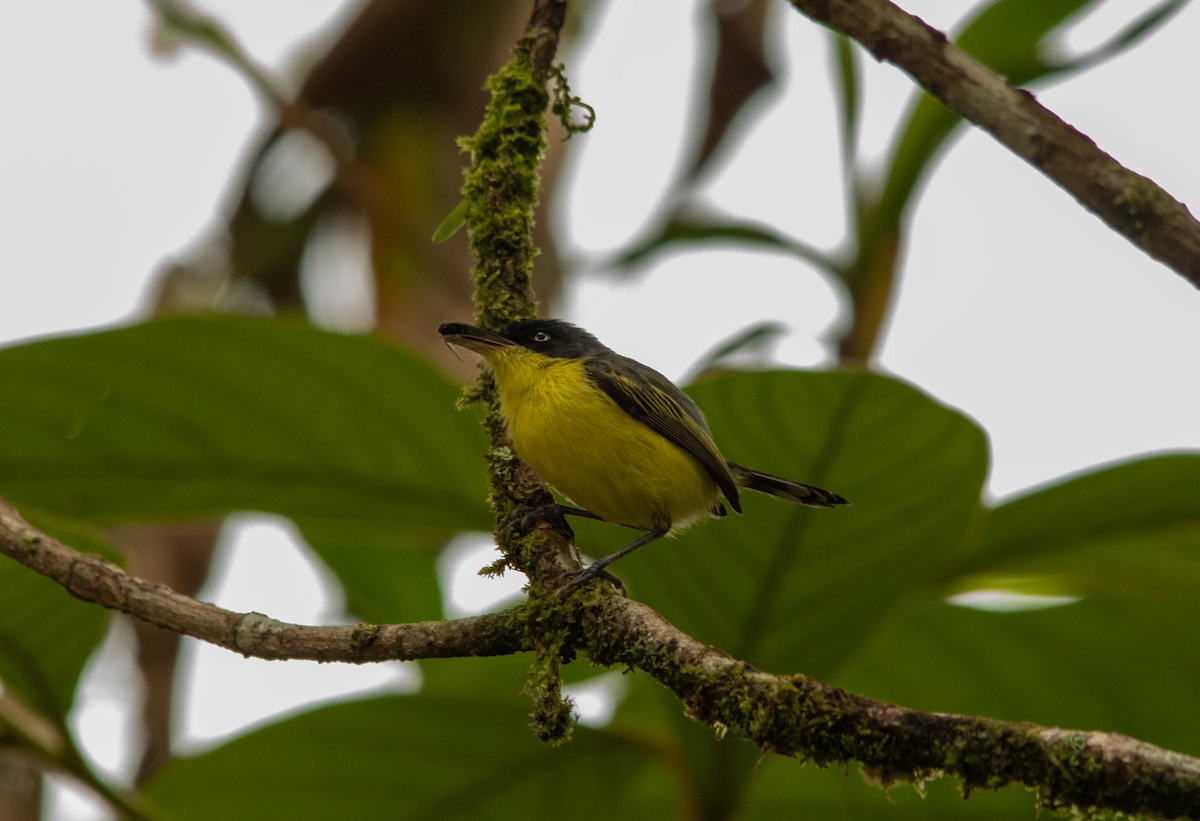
{"points": [[477, 339]]}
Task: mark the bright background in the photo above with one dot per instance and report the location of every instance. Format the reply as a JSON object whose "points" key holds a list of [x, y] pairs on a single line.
{"points": [[1070, 346]]}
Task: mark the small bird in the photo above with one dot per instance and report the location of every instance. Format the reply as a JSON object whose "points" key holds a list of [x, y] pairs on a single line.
{"points": [[613, 436]]}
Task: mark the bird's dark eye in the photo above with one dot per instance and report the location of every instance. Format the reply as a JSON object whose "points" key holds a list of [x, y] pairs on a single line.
{"points": [[541, 336]]}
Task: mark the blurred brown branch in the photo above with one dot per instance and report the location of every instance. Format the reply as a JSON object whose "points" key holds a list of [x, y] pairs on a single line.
{"points": [[786, 714], [1130, 203]]}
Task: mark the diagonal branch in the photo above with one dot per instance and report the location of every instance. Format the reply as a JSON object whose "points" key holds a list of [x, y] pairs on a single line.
{"points": [[786, 714], [1131, 204]]}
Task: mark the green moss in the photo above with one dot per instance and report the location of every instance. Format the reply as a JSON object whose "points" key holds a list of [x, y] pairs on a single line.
{"points": [[564, 102], [501, 191], [364, 636], [1143, 205]]}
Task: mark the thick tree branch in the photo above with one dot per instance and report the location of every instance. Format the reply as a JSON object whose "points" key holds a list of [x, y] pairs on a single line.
{"points": [[786, 714], [1131, 204]]}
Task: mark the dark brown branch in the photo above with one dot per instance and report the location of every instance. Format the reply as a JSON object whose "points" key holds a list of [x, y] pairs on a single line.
{"points": [[790, 715], [1131, 204], [545, 25]]}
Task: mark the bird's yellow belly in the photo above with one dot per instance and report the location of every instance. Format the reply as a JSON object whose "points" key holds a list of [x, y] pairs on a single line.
{"points": [[589, 450]]}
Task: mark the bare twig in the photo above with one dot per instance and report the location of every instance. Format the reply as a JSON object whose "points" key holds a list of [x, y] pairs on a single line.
{"points": [[785, 714], [1130, 203]]}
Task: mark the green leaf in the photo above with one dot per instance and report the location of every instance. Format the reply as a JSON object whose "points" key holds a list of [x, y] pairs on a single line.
{"points": [[691, 230], [787, 788], [453, 221], [389, 575], [792, 588], [1132, 529], [1108, 663], [757, 336], [194, 416], [849, 87], [46, 634], [355, 439], [1129, 36], [1009, 37], [419, 757]]}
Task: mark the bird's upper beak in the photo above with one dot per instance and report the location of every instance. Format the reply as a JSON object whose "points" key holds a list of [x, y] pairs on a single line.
{"points": [[477, 339]]}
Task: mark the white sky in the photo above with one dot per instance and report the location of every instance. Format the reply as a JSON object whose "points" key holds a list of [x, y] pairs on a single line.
{"points": [[1065, 342]]}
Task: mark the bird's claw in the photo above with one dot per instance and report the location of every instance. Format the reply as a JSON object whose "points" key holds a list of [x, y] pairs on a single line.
{"points": [[527, 518], [586, 574]]}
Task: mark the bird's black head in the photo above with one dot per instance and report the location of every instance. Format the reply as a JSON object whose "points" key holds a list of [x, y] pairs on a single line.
{"points": [[553, 337]]}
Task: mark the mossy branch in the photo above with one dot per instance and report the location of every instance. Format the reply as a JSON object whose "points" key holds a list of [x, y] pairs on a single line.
{"points": [[785, 714], [500, 193]]}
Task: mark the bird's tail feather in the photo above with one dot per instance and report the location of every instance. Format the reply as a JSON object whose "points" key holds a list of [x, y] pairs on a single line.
{"points": [[782, 488]]}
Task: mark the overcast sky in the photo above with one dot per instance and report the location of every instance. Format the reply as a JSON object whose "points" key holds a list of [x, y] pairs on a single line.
{"points": [[1067, 344]]}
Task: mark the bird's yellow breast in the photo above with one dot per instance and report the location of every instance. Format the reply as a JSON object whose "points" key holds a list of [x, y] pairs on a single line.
{"points": [[580, 442]]}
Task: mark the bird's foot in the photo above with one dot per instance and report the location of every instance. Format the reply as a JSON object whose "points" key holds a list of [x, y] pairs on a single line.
{"points": [[588, 573], [527, 518]]}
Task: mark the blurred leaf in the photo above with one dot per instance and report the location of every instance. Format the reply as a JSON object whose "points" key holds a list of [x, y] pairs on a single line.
{"points": [[357, 440], [1106, 663], [849, 95], [453, 221], [786, 788], [1133, 528], [178, 22], [753, 338], [389, 576], [684, 229], [1009, 37], [1126, 38], [426, 757], [46, 634], [790, 588], [201, 415], [501, 678], [739, 70]]}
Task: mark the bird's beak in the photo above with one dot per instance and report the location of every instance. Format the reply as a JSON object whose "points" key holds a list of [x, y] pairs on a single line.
{"points": [[477, 339]]}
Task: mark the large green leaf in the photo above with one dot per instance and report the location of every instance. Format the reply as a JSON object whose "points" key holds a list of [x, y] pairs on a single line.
{"points": [[46, 634], [356, 440], [200, 415], [389, 573], [787, 788], [1109, 663], [1133, 528], [790, 588], [420, 757]]}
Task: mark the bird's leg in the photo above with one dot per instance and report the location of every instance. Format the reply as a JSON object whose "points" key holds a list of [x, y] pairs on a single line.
{"points": [[597, 568], [555, 514]]}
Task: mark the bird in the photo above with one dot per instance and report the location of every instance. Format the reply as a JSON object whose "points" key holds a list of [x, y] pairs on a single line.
{"points": [[617, 439]]}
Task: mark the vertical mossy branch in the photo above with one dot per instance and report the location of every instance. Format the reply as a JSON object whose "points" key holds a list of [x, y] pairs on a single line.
{"points": [[500, 194]]}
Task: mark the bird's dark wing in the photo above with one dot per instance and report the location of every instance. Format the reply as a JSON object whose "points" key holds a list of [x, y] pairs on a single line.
{"points": [[650, 398]]}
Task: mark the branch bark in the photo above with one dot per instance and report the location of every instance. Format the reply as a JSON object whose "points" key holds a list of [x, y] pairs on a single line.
{"points": [[785, 714], [1131, 204], [93, 579]]}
